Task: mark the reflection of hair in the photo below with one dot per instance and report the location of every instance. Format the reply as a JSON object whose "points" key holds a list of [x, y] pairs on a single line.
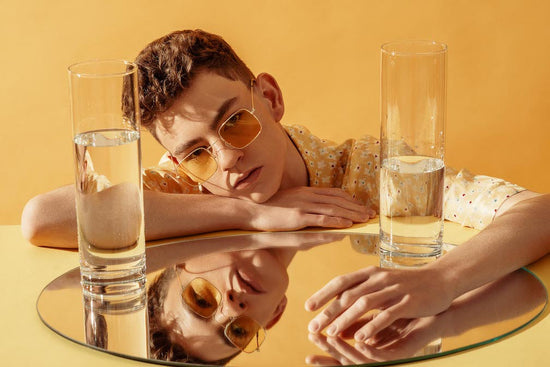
{"points": [[168, 65], [163, 332]]}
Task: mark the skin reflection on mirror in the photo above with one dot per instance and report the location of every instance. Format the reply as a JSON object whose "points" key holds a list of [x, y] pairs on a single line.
{"points": [[252, 282], [493, 303], [255, 275]]}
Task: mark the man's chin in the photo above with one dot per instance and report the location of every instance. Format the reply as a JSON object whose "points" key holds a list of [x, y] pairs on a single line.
{"points": [[258, 198]]}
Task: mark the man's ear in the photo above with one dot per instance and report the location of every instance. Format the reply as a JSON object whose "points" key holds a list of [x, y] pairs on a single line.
{"points": [[276, 316], [269, 89]]}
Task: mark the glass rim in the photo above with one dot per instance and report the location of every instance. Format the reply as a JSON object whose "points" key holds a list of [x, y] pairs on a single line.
{"points": [[413, 47], [131, 68]]}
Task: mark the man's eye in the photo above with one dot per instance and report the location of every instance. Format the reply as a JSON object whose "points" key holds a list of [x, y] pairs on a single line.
{"points": [[202, 302], [239, 332], [233, 120], [197, 153]]}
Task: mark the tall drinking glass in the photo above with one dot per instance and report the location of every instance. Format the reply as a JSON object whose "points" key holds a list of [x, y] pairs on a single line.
{"points": [[109, 199], [413, 98]]}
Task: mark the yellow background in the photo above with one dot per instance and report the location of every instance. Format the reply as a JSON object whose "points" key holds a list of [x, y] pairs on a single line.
{"points": [[325, 55]]}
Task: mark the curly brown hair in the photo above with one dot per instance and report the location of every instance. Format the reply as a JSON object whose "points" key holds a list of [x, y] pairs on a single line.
{"points": [[168, 65]]}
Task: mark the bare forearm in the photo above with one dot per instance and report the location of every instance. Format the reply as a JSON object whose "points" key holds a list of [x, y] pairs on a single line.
{"points": [[50, 219], [172, 215], [516, 238]]}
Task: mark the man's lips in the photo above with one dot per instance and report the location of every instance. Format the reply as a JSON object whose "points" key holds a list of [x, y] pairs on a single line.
{"points": [[247, 179], [248, 283]]}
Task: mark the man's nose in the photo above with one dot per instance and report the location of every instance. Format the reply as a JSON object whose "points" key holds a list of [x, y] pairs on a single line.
{"points": [[227, 156], [233, 304]]}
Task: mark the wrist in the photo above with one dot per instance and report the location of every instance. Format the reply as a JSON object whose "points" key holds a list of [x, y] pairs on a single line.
{"points": [[242, 213], [447, 278]]}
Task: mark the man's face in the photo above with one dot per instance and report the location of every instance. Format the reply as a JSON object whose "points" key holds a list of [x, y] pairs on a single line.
{"points": [[255, 172], [252, 283]]}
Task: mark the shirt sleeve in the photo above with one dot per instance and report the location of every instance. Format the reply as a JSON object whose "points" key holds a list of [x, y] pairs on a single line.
{"points": [[473, 200], [362, 175], [162, 178], [90, 181]]}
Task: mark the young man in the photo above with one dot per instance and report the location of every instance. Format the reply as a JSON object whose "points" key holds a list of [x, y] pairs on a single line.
{"points": [[221, 128], [191, 82]]}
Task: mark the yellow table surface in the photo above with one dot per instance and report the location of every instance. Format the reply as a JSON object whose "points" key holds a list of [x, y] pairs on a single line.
{"points": [[26, 341]]}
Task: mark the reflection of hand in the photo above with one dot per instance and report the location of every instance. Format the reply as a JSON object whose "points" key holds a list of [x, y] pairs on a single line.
{"points": [[301, 207], [398, 293], [165, 255], [295, 240], [402, 339]]}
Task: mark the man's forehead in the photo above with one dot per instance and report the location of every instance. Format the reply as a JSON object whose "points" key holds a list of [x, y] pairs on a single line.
{"points": [[205, 96], [202, 101], [207, 100]]}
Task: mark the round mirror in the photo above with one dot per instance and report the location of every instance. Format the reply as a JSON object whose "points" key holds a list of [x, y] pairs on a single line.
{"points": [[239, 300]]}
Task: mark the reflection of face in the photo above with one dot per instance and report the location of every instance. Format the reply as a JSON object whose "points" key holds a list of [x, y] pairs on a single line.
{"points": [[252, 283], [255, 172]]}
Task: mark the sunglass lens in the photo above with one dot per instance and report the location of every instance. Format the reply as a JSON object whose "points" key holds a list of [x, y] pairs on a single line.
{"points": [[240, 129], [201, 297], [245, 333], [199, 165]]}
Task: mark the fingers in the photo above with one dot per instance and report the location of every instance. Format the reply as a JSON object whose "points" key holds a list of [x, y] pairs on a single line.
{"points": [[340, 315], [384, 319], [316, 360], [350, 331], [339, 349], [340, 203], [326, 221], [333, 202], [336, 286]]}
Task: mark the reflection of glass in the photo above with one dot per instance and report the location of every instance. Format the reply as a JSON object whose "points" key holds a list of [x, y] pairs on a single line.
{"points": [[120, 328], [389, 259], [173, 329], [413, 94], [106, 128]]}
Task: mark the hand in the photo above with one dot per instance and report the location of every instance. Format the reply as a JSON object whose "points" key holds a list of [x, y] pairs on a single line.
{"points": [[402, 339], [397, 293], [300, 207]]}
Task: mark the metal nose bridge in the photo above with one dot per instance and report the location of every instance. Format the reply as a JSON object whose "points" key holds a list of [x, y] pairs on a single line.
{"points": [[223, 145], [226, 314]]}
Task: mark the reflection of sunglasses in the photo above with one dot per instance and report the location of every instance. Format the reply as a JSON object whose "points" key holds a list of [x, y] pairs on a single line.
{"points": [[204, 299], [238, 131]]}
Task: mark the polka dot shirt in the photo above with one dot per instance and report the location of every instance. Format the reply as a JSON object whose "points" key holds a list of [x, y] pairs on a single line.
{"points": [[354, 166]]}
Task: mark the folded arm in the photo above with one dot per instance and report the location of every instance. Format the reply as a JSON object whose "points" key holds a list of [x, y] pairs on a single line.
{"points": [[50, 219]]}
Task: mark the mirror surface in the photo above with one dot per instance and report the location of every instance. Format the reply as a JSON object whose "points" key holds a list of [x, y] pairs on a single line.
{"points": [[257, 284]]}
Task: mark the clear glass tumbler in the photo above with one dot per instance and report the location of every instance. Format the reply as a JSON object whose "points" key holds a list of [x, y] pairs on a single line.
{"points": [[413, 103], [109, 198]]}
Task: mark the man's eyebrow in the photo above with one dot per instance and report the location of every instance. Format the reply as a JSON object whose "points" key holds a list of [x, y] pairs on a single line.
{"points": [[183, 147], [222, 111], [219, 115]]}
